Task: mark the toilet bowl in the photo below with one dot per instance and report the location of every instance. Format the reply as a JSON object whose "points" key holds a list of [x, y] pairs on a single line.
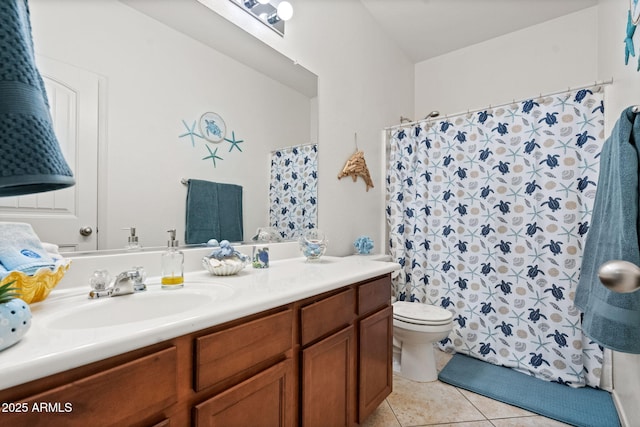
{"points": [[416, 327]]}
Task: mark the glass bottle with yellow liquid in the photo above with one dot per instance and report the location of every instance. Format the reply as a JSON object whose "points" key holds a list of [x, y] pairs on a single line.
{"points": [[172, 264]]}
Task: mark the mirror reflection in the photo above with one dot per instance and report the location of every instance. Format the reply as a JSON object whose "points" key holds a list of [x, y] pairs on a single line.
{"points": [[128, 94]]}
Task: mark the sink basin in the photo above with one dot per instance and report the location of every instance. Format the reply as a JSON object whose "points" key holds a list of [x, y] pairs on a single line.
{"points": [[152, 304]]}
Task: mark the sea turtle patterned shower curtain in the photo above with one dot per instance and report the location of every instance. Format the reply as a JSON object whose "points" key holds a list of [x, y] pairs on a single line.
{"points": [[293, 190], [488, 214]]}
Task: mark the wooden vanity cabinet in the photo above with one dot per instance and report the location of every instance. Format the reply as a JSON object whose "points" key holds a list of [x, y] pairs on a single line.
{"points": [[323, 361], [346, 354]]}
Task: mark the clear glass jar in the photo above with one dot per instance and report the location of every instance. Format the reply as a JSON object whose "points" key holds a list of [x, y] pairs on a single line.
{"points": [[313, 244]]}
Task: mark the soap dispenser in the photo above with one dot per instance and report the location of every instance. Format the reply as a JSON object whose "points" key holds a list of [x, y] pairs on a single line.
{"points": [[172, 264], [132, 241]]}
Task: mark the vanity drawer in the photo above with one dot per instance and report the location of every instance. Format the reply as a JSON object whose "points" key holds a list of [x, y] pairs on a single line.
{"points": [[221, 355], [327, 315], [122, 395], [373, 295]]}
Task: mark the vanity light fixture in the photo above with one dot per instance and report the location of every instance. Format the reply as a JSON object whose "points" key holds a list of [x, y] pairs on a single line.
{"points": [[272, 13]]}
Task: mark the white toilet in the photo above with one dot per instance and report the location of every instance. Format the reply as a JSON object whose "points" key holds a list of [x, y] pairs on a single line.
{"points": [[416, 327]]}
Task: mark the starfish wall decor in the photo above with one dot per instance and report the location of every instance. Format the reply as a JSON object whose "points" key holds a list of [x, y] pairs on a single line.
{"points": [[193, 135]]}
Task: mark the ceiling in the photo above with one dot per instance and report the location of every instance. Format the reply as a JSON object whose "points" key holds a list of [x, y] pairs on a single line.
{"points": [[427, 28]]}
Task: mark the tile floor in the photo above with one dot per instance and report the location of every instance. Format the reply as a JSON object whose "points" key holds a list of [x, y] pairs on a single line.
{"points": [[439, 404]]}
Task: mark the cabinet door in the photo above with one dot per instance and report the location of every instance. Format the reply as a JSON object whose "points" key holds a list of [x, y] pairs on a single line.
{"points": [[376, 352], [264, 400], [328, 381], [124, 395]]}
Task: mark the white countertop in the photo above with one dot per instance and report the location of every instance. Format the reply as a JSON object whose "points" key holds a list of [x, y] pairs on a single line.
{"points": [[47, 349]]}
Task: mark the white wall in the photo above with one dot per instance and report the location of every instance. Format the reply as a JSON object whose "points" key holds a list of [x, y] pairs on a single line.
{"points": [[156, 77], [625, 91], [545, 58], [364, 84]]}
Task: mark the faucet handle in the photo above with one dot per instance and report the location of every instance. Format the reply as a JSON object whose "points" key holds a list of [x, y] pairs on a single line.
{"points": [[139, 276], [99, 280]]}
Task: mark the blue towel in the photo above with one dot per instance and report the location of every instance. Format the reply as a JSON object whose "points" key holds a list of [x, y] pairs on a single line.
{"points": [[26, 132], [21, 250], [214, 211], [612, 319]]}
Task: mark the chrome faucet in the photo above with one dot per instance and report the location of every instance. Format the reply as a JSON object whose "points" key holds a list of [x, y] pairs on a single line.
{"points": [[125, 283]]}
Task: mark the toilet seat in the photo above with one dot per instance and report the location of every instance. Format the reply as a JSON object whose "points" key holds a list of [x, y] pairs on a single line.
{"points": [[421, 314]]}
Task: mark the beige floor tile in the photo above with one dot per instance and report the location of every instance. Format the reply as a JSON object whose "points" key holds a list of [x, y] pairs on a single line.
{"points": [[442, 358], [467, 424], [417, 404], [492, 408], [535, 421], [382, 417]]}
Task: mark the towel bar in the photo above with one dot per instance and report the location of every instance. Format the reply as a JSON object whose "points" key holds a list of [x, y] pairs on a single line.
{"points": [[620, 276], [636, 109]]}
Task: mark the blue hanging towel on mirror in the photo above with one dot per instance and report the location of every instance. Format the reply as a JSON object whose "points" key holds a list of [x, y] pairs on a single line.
{"points": [[214, 211], [613, 319]]}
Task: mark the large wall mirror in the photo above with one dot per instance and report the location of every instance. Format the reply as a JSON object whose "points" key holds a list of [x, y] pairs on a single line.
{"points": [[129, 82]]}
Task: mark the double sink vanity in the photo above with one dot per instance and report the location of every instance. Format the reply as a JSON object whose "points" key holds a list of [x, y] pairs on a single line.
{"points": [[300, 343]]}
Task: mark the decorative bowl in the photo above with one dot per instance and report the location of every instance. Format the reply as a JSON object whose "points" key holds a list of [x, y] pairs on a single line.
{"points": [[313, 244], [37, 287], [226, 266]]}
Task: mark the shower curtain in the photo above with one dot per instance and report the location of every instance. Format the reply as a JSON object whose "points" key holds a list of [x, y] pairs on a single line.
{"points": [[488, 214], [293, 190]]}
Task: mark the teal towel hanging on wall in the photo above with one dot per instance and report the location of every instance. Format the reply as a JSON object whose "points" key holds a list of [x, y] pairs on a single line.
{"points": [[613, 319], [30, 157], [213, 211]]}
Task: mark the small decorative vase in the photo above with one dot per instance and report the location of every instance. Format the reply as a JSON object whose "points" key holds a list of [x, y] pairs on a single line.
{"points": [[260, 257], [313, 244], [15, 321]]}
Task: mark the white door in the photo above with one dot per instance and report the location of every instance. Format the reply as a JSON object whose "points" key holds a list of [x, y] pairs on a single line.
{"points": [[66, 217]]}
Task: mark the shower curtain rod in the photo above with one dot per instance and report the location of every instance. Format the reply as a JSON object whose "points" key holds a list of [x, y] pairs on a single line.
{"points": [[293, 146], [596, 83]]}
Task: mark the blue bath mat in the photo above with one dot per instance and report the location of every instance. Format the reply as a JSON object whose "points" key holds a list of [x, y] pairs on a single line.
{"points": [[584, 407]]}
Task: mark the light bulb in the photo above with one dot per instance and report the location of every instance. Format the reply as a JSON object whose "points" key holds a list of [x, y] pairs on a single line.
{"points": [[285, 10]]}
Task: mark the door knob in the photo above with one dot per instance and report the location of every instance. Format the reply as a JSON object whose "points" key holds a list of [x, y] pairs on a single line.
{"points": [[86, 231], [620, 276]]}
